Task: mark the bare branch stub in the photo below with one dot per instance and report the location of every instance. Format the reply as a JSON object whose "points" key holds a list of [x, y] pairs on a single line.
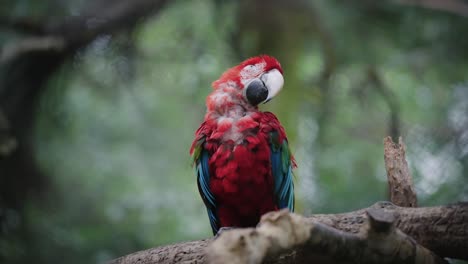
{"points": [[386, 244], [399, 178], [379, 220]]}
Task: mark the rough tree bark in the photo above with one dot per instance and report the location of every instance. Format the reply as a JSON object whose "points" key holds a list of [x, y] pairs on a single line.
{"points": [[382, 233], [281, 231], [442, 229], [399, 178]]}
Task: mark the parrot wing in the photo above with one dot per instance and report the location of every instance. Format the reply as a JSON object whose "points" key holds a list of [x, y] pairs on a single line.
{"points": [[282, 163], [200, 158]]}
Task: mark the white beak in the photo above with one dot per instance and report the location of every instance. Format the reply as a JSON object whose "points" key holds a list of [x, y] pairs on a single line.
{"points": [[274, 82]]}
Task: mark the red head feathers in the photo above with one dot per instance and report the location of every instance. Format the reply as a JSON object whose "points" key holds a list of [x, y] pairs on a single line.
{"points": [[262, 63], [254, 81]]}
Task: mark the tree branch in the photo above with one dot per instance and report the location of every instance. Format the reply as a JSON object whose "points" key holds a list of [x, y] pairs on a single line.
{"points": [[16, 49], [100, 18], [186, 252], [442, 229], [22, 25]]}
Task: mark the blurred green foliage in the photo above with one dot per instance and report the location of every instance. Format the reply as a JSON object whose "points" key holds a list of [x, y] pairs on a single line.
{"points": [[114, 127]]}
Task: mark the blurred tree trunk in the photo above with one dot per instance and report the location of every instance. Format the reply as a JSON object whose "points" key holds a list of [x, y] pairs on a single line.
{"points": [[22, 81], [25, 68]]}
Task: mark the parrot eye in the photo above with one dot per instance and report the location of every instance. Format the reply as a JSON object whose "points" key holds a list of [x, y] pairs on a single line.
{"points": [[249, 67]]}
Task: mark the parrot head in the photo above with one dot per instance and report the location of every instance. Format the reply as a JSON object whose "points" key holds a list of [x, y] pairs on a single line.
{"points": [[254, 81]]}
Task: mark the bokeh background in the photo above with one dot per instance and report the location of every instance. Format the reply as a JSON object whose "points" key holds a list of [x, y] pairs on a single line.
{"points": [[94, 137]]}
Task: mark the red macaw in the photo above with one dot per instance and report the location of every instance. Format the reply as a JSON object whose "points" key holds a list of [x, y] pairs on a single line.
{"points": [[243, 162]]}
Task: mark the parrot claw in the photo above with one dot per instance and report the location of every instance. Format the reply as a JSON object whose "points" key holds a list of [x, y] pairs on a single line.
{"points": [[222, 230]]}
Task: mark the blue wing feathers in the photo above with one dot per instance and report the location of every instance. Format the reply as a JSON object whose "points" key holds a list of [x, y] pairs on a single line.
{"points": [[203, 179], [282, 173]]}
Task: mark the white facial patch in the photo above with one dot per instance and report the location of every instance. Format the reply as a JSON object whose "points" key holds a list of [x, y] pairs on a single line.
{"points": [[251, 71], [274, 82]]}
